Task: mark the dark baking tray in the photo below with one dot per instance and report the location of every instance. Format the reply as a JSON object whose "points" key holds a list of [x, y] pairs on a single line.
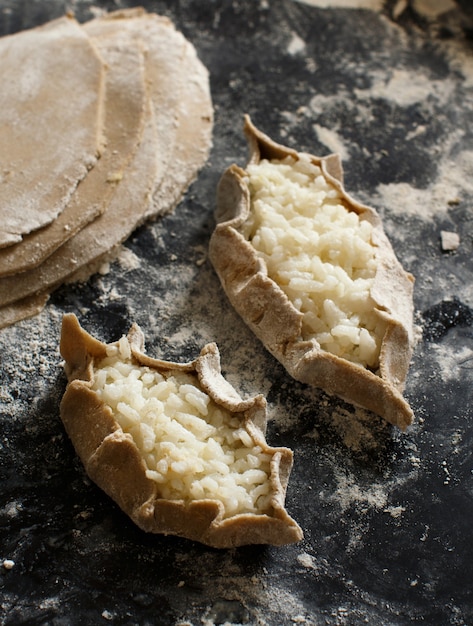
{"points": [[387, 516]]}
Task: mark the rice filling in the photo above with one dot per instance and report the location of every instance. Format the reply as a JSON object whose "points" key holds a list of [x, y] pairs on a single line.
{"points": [[319, 253], [192, 447]]}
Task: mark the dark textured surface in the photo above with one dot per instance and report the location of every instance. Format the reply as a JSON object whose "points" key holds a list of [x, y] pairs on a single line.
{"points": [[387, 517]]}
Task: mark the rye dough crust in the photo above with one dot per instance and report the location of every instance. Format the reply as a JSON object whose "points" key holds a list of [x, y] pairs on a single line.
{"points": [[277, 323], [113, 461]]}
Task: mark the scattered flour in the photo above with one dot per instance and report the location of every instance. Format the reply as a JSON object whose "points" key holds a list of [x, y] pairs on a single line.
{"points": [[307, 560], [352, 495], [334, 142], [296, 45], [454, 179], [128, 259], [394, 511], [11, 509], [461, 60], [402, 88], [349, 493], [451, 363], [374, 5], [426, 8], [406, 88]]}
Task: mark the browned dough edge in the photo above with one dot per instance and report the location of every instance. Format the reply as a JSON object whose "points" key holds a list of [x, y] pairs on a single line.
{"points": [[276, 322], [113, 462]]}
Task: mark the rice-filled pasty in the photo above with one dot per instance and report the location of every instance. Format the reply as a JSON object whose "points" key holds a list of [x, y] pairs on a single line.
{"points": [[174, 444], [312, 273]]}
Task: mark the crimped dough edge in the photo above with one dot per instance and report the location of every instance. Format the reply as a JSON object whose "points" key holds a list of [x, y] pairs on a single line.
{"points": [[276, 322], [113, 461]]}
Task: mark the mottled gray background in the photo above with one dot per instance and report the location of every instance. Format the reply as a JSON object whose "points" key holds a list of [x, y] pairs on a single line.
{"points": [[386, 516]]}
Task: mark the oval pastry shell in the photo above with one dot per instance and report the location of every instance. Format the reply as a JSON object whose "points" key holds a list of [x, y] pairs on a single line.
{"points": [[277, 323], [113, 461]]}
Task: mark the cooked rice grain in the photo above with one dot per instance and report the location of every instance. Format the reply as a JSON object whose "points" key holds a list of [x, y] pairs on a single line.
{"points": [[193, 448], [319, 253]]}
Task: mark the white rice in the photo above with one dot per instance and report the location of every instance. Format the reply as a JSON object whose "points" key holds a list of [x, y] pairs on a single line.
{"points": [[193, 448], [319, 253]]}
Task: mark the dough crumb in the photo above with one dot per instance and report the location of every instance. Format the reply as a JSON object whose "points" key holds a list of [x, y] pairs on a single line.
{"points": [[450, 241]]}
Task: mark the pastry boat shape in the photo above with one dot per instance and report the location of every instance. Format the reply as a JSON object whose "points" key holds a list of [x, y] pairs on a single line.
{"points": [[174, 445], [312, 273]]}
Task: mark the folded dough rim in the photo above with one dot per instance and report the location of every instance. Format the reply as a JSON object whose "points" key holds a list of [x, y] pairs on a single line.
{"points": [[276, 322], [113, 461]]}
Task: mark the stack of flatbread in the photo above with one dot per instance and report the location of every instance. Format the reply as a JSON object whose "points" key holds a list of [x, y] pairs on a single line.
{"points": [[104, 125]]}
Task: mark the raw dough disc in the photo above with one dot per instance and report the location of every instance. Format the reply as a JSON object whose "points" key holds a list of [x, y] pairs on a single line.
{"points": [[175, 144], [124, 104], [164, 47], [193, 138], [51, 129], [189, 127], [128, 204]]}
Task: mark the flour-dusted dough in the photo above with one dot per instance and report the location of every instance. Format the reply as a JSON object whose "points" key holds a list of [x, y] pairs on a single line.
{"points": [[113, 459], [193, 128], [89, 248], [51, 115], [278, 324], [124, 111], [175, 142], [184, 113]]}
